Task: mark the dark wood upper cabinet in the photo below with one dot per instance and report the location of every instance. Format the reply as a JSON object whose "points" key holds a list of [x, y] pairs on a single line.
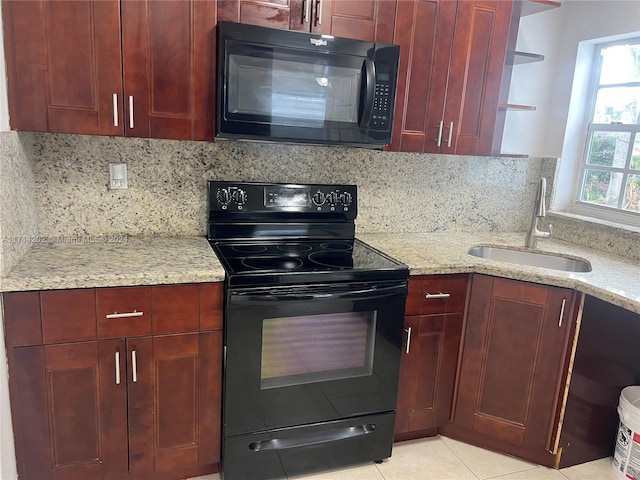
{"points": [[110, 67], [451, 60], [169, 68], [64, 66], [360, 19], [517, 347]]}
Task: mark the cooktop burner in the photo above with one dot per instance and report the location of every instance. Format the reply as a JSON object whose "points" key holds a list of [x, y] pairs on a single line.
{"points": [[309, 256]]}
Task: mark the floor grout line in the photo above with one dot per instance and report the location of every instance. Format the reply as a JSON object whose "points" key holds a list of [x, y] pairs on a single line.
{"points": [[459, 458]]}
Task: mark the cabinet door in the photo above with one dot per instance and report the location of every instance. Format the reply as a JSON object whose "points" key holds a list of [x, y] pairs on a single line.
{"points": [[424, 30], [475, 74], [283, 14], [370, 20], [427, 372], [69, 411], [174, 401], [169, 68], [64, 66], [515, 348]]}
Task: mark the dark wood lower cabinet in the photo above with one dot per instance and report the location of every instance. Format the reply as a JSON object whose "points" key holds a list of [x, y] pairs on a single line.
{"points": [[428, 373], [514, 367], [135, 407], [433, 330]]}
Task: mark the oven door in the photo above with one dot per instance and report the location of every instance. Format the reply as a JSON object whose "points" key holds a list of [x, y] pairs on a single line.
{"points": [[305, 354]]}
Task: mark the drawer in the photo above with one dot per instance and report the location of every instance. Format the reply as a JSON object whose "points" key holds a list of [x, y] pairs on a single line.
{"points": [[68, 315], [123, 312], [434, 294], [176, 308]]}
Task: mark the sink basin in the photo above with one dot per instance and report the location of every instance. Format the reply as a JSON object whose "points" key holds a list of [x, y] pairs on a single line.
{"points": [[533, 259]]}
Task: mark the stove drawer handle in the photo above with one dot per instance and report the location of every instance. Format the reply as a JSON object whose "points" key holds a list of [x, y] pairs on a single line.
{"points": [[312, 439]]}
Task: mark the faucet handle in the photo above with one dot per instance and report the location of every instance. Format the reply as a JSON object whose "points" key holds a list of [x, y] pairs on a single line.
{"points": [[541, 209]]}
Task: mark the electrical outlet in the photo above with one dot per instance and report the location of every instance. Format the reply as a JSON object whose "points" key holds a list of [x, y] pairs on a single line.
{"points": [[118, 176]]}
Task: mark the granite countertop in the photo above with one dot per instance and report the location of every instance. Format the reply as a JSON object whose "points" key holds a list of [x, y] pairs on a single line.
{"points": [[613, 279], [111, 262], [114, 261]]}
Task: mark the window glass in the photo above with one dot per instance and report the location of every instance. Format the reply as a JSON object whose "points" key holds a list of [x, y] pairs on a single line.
{"points": [[610, 173]]}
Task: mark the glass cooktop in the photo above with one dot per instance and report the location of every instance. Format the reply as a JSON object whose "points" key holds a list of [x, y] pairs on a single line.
{"points": [[289, 260]]}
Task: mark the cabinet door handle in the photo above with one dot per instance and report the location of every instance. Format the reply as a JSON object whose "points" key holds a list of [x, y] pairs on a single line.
{"points": [[306, 10], [408, 330], [450, 134], [130, 111], [117, 367], [439, 139], [115, 109], [134, 366], [436, 295], [319, 12], [124, 315], [564, 301]]}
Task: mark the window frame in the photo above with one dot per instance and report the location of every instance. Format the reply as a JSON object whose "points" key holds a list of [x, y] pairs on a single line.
{"points": [[605, 212]]}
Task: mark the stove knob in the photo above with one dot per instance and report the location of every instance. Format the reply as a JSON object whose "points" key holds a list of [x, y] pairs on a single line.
{"points": [[318, 198], [223, 196], [239, 196]]}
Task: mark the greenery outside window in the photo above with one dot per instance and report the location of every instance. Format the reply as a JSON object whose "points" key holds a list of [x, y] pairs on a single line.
{"points": [[609, 179]]}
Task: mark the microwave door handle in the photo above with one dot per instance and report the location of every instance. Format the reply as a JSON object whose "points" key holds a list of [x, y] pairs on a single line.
{"points": [[370, 92]]}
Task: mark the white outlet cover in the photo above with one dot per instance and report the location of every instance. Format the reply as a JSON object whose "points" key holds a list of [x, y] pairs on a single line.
{"points": [[118, 176]]}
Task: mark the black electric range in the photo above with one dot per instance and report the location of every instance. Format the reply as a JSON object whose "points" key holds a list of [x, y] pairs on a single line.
{"points": [[313, 330]]}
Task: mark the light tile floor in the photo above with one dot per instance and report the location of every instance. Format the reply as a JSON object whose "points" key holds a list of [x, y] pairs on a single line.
{"points": [[441, 458]]}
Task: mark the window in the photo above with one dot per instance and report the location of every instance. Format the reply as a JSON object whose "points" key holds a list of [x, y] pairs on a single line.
{"points": [[609, 179]]}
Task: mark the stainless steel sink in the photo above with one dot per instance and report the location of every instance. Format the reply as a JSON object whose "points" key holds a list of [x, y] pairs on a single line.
{"points": [[533, 259]]}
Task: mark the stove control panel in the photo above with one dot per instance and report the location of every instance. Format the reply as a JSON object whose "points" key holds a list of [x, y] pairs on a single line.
{"points": [[270, 197]]}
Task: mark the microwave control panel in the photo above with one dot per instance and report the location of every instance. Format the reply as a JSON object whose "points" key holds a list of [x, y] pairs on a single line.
{"points": [[381, 113], [382, 102]]}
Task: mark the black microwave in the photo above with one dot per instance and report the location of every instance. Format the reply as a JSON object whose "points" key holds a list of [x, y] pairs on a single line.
{"points": [[285, 86]]}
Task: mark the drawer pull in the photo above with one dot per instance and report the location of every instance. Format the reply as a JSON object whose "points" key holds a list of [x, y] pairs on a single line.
{"points": [[130, 111], [408, 330], [125, 315], [564, 301], [115, 109], [437, 295], [117, 368], [439, 139], [134, 366]]}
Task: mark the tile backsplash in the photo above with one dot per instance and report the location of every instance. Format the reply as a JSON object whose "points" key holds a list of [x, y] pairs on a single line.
{"points": [[398, 192]]}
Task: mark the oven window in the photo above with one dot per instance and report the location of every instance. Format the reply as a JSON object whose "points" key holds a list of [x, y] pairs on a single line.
{"points": [[315, 348]]}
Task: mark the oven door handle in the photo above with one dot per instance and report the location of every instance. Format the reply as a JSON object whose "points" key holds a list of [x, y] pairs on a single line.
{"points": [[362, 294]]}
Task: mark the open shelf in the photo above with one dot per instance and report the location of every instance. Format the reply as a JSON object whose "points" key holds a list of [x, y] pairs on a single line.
{"points": [[509, 155], [515, 57], [530, 7], [515, 106]]}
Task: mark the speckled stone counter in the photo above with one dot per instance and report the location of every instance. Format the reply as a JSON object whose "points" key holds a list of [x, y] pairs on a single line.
{"points": [[87, 262], [613, 279], [111, 262]]}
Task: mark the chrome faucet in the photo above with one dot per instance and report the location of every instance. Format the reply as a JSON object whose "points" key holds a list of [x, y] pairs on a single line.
{"points": [[539, 211]]}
